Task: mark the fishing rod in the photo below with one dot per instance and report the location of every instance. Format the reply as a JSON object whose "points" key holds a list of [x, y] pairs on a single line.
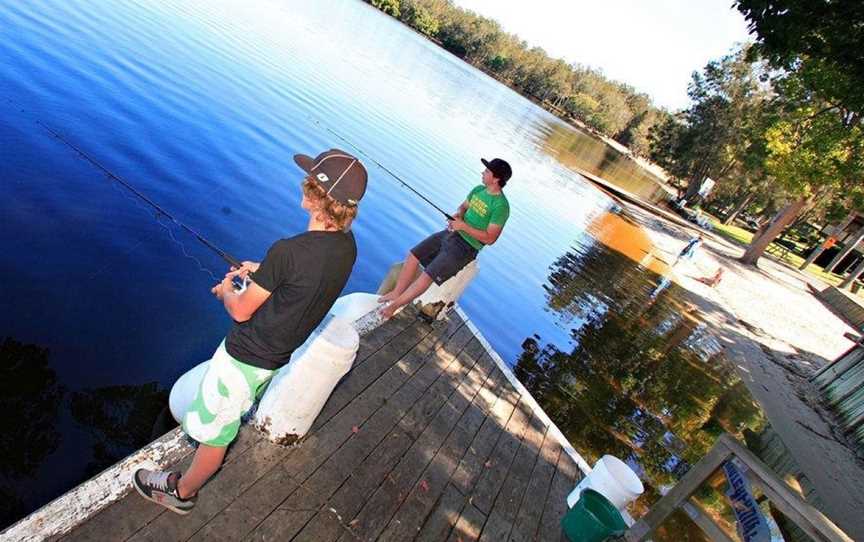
{"points": [[224, 255], [380, 165]]}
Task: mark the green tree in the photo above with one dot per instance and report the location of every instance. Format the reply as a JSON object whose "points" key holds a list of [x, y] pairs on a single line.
{"points": [[824, 36], [420, 18], [719, 136], [814, 145], [390, 7]]}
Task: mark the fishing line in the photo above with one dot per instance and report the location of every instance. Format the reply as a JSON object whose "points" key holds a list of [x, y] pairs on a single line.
{"points": [[160, 211], [380, 165]]}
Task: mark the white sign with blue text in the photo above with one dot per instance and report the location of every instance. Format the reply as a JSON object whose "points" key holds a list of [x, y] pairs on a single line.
{"points": [[752, 526]]}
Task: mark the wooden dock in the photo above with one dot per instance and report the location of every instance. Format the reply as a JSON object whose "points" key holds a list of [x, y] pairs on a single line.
{"points": [[429, 437]]}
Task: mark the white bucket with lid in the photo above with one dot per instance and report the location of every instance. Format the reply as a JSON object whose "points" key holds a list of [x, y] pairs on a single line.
{"points": [[613, 479]]}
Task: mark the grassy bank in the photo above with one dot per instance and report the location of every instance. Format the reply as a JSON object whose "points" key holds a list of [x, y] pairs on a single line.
{"points": [[743, 237]]}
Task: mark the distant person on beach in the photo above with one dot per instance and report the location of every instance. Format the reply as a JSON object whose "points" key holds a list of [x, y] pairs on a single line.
{"points": [[714, 280], [689, 249], [477, 223], [291, 293]]}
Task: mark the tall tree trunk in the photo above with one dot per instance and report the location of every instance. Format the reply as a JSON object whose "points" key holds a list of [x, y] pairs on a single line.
{"points": [[738, 208], [853, 275], [820, 248], [783, 219], [859, 235]]}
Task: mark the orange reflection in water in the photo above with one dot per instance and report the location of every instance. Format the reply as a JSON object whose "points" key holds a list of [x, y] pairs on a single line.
{"points": [[622, 234]]}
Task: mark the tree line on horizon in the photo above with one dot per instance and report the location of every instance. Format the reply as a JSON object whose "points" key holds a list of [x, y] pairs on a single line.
{"points": [[571, 91], [778, 124]]}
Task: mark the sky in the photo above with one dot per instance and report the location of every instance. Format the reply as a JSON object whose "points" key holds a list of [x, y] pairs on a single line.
{"points": [[653, 45]]}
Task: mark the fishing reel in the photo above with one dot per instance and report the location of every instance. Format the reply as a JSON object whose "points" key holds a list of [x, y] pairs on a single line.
{"points": [[240, 284]]}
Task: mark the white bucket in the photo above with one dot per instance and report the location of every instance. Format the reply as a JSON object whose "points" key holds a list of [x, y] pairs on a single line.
{"points": [[613, 479], [299, 390], [354, 308]]}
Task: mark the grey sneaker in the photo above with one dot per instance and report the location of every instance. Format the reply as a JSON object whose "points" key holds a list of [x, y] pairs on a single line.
{"points": [[161, 487]]}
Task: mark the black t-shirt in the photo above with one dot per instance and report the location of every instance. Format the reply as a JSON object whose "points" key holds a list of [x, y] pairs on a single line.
{"points": [[304, 275]]}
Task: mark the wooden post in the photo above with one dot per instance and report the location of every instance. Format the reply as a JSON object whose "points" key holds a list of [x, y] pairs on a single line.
{"points": [[847, 248], [682, 491], [820, 248], [852, 276]]}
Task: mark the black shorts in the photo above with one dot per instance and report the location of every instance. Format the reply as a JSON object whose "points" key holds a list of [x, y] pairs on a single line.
{"points": [[443, 254]]}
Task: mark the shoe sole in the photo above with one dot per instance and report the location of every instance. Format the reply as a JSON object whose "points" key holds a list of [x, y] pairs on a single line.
{"points": [[151, 499]]}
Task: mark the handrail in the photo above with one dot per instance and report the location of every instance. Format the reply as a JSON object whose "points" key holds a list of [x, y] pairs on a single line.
{"points": [[787, 501]]}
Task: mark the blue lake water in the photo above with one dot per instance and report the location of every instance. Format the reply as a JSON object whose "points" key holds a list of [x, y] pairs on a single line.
{"points": [[201, 107]]}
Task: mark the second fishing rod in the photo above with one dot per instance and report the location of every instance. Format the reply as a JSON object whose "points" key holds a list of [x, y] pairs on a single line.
{"points": [[401, 181]]}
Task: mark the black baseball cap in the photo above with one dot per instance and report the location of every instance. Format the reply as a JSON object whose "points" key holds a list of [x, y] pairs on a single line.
{"points": [[342, 175], [499, 168]]}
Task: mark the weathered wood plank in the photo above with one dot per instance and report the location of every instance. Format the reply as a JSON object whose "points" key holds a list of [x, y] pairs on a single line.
{"points": [[409, 517], [333, 436], [368, 474], [363, 375], [494, 476], [443, 517], [468, 528], [131, 513], [248, 509], [472, 464], [383, 503], [219, 492], [378, 337], [528, 518], [556, 502], [336, 431], [509, 499]]}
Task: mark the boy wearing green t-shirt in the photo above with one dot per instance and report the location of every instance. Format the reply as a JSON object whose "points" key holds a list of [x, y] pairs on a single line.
{"points": [[478, 222]]}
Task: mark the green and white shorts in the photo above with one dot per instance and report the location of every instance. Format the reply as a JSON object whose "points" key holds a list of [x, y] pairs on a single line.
{"points": [[227, 392]]}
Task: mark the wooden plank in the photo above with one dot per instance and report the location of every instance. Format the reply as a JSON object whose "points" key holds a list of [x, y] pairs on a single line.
{"points": [[473, 463], [383, 503], [365, 477], [563, 483], [383, 334], [131, 513], [281, 523], [362, 376], [333, 472], [468, 528], [509, 499], [494, 476], [250, 508], [218, 493], [443, 517], [410, 516], [316, 448], [239, 519], [528, 518]]}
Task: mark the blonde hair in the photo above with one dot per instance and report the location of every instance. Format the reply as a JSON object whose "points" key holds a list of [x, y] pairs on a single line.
{"points": [[333, 213]]}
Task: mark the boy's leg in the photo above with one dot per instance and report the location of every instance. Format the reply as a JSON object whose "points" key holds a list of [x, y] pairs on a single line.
{"points": [[206, 462], [405, 275], [412, 292]]}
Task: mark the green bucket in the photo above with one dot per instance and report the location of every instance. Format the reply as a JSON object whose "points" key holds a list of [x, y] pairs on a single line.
{"points": [[592, 519]]}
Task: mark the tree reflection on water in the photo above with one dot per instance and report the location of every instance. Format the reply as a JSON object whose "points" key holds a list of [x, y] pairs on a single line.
{"points": [[643, 379], [120, 418], [28, 427], [117, 419]]}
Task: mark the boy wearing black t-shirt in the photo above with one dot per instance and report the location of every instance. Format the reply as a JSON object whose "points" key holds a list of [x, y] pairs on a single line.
{"points": [[293, 289]]}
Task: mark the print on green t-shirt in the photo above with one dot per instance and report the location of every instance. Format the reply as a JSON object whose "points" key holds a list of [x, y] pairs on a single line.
{"points": [[484, 209]]}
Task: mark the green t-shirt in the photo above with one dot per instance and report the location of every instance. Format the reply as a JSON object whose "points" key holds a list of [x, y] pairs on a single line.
{"points": [[484, 209]]}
